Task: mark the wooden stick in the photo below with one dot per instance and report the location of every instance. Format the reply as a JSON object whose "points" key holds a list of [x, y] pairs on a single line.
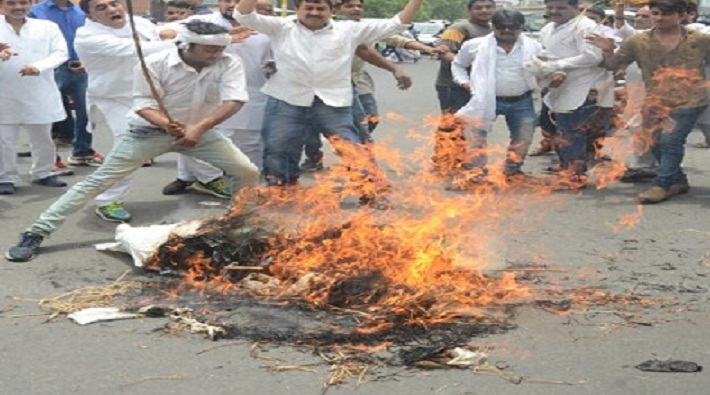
{"points": [[144, 66]]}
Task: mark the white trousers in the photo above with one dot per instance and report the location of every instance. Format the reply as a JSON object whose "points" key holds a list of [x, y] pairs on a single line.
{"points": [[248, 141], [113, 113], [41, 145]]}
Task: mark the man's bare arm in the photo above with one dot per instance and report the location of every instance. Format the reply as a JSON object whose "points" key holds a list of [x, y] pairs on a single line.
{"points": [[246, 6], [404, 81], [408, 13]]}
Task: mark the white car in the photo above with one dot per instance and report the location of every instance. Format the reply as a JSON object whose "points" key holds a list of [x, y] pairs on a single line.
{"points": [[429, 32]]}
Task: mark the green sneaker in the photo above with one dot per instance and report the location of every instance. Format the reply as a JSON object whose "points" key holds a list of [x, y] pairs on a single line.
{"points": [[113, 212], [216, 187]]}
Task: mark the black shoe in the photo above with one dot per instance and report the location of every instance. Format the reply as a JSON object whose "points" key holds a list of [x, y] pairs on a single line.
{"points": [[312, 165], [176, 187], [7, 188], [26, 249], [638, 175], [51, 181]]}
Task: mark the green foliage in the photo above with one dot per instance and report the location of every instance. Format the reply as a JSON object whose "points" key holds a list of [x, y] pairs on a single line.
{"points": [[433, 9]]}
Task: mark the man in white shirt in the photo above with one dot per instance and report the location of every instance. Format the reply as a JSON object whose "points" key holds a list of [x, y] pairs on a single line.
{"points": [[200, 87], [568, 58], [499, 85], [105, 47], [313, 87], [29, 96], [244, 128]]}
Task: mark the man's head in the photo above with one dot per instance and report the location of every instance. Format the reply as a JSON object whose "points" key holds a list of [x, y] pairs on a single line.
{"points": [[668, 13], [226, 8], [351, 9], [594, 13], [265, 7], [203, 43], [481, 11], [110, 13], [507, 25], [313, 14], [643, 19], [561, 11], [691, 13], [176, 10], [15, 9]]}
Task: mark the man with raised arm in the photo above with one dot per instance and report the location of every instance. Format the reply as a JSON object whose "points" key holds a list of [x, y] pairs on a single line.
{"points": [[313, 87]]}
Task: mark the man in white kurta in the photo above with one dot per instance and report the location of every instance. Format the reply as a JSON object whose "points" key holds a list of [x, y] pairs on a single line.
{"points": [[499, 85], [105, 47], [244, 128], [29, 97]]}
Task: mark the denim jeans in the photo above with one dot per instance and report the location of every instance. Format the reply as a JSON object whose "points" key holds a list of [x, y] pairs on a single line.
{"points": [[313, 144], [572, 135], [520, 117], [129, 153], [287, 128], [73, 85], [669, 149], [452, 98], [369, 104]]}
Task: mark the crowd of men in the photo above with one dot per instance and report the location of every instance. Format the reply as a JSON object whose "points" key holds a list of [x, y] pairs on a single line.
{"points": [[240, 93]]}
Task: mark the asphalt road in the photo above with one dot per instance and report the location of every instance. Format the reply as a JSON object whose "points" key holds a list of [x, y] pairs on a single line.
{"points": [[664, 257]]}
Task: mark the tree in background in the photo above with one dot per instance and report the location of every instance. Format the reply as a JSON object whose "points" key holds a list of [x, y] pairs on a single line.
{"points": [[441, 9]]}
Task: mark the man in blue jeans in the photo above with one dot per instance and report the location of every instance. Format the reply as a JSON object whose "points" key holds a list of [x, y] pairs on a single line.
{"points": [[501, 87], [71, 77], [672, 61], [313, 89]]}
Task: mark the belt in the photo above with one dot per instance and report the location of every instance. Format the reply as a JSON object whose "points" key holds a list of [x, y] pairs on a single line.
{"points": [[144, 130], [515, 98]]}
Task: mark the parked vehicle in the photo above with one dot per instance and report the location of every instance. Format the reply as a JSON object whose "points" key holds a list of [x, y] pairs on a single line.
{"points": [[429, 33]]}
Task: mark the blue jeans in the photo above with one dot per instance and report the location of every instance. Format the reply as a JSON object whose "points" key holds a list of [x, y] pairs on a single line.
{"points": [[287, 128], [73, 85], [369, 104], [669, 149], [520, 117], [313, 144], [572, 133], [134, 149]]}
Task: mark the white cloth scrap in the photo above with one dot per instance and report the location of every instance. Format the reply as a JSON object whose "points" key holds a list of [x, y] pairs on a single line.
{"points": [[141, 242]]}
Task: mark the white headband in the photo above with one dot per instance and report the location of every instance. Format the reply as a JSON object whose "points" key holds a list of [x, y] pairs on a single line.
{"points": [[186, 36]]}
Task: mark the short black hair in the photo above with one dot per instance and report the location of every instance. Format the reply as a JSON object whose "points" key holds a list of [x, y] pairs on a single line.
{"points": [[672, 6], [205, 28], [182, 4], [598, 11], [472, 2], [573, 3], [508, 17], [84, 5], [298, 2]]}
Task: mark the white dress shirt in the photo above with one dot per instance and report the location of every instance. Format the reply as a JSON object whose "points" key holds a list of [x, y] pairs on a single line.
{"points": [[109, 56], [31, 99], [569, 52], [253, 52], [315, 63], [189, 95], [509, 72]]}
